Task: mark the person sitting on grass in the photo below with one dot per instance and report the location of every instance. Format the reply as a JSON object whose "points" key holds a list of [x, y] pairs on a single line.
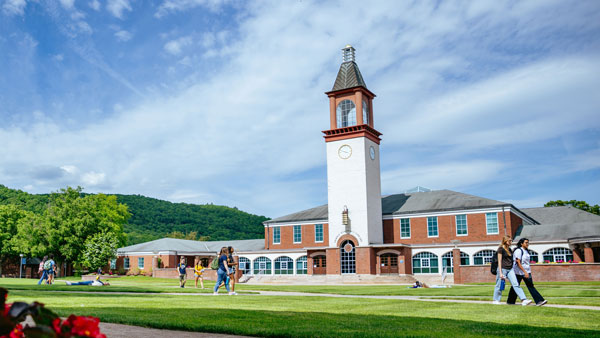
{"points": [[417, 285], [198, 269], [182, 272], [95, 282]]}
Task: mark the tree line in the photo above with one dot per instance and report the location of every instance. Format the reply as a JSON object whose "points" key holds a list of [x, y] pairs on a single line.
{"points": [[83, 228]]}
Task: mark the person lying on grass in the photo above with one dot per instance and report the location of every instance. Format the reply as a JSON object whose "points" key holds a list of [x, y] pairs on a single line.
{"points": [[96, 282]]}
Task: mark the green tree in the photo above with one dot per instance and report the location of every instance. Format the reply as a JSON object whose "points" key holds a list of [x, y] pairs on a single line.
{"points": [[11, 217], [99, 249], [73, 218], [594, 209]]}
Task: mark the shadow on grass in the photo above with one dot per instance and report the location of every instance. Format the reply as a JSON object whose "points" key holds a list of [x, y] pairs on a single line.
{"points": [[312, 324]]}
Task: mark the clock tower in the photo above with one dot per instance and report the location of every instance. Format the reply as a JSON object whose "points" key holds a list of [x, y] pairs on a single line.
{"points": [[353, 171]]}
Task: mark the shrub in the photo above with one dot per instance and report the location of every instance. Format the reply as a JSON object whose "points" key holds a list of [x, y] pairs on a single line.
{"points": [[133, 272]]}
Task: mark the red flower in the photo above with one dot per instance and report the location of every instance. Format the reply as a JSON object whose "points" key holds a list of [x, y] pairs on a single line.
{"points": [[85, 326], [56, 325], [17, 332]]}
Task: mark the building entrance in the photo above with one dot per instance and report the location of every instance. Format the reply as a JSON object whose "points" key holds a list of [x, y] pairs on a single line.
{"points": [[319, 265], [389, 263]]}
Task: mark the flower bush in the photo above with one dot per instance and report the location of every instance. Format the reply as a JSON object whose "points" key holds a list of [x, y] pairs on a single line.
{"points": [[47, 323]]}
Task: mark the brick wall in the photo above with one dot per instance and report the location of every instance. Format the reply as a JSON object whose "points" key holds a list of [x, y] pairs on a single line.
{"points": [[540, 272], [476, 228], [287, 237]]}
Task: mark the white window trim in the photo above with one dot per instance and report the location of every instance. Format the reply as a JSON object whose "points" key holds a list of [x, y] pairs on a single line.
{"points": [[466, 223], [409, 229], [126, 259], [322, 234], [487, 227], [294, 234], [143, 263], [436, 224], [274, 235]]}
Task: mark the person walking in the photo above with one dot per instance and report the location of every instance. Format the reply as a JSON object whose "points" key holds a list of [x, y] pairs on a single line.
{"points": [[523, 272], [505, 271], [231, 276], [42, 271], [198, 270], [181, 267], [222, 272], [50, 267]]}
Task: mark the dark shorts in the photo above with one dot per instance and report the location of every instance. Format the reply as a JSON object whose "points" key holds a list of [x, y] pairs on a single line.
{"points": [[182, 277]]}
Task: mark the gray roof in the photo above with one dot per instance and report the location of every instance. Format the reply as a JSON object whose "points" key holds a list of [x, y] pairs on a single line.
{"points": [[556, 223], [398, 204], [349, 76], [184, 245], [560, 215]]}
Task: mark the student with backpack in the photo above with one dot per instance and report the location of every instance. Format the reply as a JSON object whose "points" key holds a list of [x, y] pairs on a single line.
{"points": [[523, 271], [505, 270], [181, 267], [231, 276], [42, 270], [222, 271], [50, 267]]}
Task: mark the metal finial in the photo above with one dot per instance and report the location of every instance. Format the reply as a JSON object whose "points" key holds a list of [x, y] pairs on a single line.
{"points": [[348, 53]]}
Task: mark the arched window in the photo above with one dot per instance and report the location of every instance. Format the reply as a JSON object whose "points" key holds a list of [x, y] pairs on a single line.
{"points": [[284, 266], [425, 262], [244, 265], [464, 258], [262, 266], [365, 112], [348, 257], [447, 262], [346, 114], [483, 257], [301, 266], [533, 256], [558, 255]]}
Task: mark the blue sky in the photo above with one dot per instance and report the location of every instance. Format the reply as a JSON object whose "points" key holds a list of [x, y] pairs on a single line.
{"points": [[210, 101]]}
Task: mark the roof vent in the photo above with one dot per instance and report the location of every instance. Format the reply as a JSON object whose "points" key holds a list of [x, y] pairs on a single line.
{"points": [[348, 53]]}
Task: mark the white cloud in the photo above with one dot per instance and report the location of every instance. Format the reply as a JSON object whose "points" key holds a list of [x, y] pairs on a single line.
{"points": [[14, 7], [67, 4], [117, 7], [175, 46], [170, 6], [95, 5], [93, 178], [123, 35]]}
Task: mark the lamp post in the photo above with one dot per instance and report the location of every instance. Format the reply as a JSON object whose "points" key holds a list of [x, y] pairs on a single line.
{"points": [[21, 266]]}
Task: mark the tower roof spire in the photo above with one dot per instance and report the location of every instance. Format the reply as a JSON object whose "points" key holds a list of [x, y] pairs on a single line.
{"points": [[349, 75]]}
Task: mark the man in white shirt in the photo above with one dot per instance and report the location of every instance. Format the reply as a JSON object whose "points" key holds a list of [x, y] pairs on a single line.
{"points": [[522, 269]]}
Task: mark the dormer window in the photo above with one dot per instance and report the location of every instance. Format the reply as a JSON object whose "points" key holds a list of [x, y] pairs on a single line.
{"points": [[346, 114]]}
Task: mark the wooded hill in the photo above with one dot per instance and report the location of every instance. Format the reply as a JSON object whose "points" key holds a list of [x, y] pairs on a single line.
{"points": [[153, 218]]}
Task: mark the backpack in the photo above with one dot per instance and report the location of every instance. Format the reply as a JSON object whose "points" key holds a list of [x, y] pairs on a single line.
{"points": [[494, 266], [48, 265], [215, 263]]}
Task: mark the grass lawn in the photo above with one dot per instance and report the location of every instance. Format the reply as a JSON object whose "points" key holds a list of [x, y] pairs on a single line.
{"points": [[319, 316], [302, 316]]}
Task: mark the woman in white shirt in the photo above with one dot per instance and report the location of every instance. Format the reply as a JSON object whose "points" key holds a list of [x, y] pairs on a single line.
{"points": [[522, 269]]}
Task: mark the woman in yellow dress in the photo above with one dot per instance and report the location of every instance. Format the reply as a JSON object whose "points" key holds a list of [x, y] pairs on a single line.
{"points": [[198, 269]]}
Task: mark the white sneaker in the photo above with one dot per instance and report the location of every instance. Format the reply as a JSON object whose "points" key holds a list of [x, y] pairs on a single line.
{"points": [[496, 302], [526, 302], [68, 283], [232, 293], [215, 293]]}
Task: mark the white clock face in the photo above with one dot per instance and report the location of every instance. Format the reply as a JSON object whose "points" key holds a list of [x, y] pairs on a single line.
{"points": [[372, 152], [345, 151]]}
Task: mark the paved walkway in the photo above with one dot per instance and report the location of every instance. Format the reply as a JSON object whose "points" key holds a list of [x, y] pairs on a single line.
{"points": [[128, 331]]}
